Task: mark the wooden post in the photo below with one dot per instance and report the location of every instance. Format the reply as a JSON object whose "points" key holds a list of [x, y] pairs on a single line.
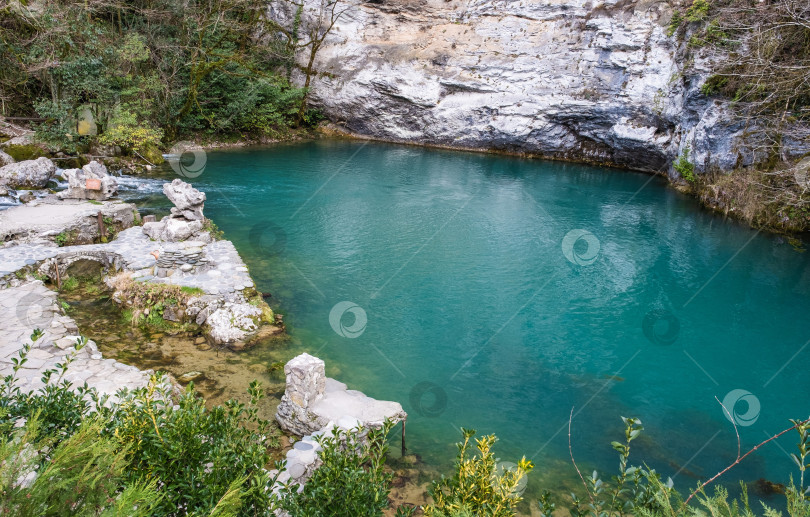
{"points": [[58, 280], [101, 232], [403, 437]]}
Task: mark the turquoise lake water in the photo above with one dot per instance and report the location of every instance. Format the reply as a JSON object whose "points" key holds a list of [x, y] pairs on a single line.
{"points": [[498, 293]]}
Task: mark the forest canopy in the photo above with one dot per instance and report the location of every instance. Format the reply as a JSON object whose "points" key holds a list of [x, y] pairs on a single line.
{"points": [[149, 71]]}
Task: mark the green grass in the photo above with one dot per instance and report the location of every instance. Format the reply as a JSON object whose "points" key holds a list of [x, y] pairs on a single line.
{"points": [[70, 284]]}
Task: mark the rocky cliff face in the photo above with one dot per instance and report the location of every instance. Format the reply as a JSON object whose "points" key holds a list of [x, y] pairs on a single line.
{"points": [[574, 79]]}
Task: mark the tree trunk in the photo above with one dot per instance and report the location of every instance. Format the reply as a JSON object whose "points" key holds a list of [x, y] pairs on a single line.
{"points": [[307, 80]]}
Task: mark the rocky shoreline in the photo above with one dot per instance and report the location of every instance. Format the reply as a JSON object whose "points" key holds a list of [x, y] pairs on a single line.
{"points": [[190, 277], [196, 280]]}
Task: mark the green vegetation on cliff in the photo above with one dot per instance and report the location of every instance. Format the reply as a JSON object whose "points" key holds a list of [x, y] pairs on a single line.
{"points": [[758, 56]]}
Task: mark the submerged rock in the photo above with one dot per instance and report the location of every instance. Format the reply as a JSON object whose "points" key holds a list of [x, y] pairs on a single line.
{"points": [[233, 322], [190, 376], [27, 174]]}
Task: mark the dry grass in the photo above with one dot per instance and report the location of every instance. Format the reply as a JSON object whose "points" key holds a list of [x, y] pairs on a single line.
{"points": [[777, 201]]}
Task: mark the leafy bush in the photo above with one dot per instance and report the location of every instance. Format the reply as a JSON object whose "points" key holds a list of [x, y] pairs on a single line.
{"points": [[476, 488], [126, 131], [139, 451], [193, 453], [81, 476], [697, 11], [58, 131], [351, 482]]}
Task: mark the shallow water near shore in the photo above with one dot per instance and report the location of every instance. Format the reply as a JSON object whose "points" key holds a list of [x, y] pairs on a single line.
{"points": [[500, 294]]}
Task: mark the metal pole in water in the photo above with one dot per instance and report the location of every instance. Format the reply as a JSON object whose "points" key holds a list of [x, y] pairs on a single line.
{"points": [[403, 437]]}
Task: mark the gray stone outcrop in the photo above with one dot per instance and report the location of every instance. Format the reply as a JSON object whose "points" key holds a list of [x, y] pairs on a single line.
{"points": [[28, 174], [598, 81], [311, 401], [187, 219], [90, 182], [5, 158]]}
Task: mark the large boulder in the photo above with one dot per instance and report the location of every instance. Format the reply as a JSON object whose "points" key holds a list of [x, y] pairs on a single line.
{"points": [[27, 174], [188, 201], [90, 182], [187, 217]]}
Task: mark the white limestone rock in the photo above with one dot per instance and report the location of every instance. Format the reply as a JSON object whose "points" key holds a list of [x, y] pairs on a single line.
{"points": [[188, 201], [27, 174], [171, 229], [233, 322], [93, 175], [5, 159], [312, 401], [573, 79]]}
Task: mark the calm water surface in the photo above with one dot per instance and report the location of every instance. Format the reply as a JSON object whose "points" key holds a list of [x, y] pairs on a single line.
{"points": [[499, 294]]}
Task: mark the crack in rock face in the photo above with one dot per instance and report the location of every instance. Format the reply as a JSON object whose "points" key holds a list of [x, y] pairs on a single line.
{"points": [[596, 81]]}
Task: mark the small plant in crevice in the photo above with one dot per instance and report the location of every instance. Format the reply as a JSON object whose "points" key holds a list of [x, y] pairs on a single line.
{"points": [[211, 227], [65, 238], [684, 167], [69, 284]]}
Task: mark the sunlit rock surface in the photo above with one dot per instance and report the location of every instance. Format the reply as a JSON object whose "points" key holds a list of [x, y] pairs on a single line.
{"points": [[575, 79]]}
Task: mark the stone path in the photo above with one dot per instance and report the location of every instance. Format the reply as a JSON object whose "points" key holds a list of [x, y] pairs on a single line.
{"points": [[47, 217], [32, 305], [132, 250]]}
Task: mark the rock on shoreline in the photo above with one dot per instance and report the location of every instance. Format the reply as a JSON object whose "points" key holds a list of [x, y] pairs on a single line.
{"points": [[224, 301], [27, 174]]}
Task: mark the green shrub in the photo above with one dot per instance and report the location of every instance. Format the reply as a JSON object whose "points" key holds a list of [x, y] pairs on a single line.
{"points": [[714, 85], [194, 453], [684, 167], [674, 23], [82, 476], [698, 10], [58, 131], [351, 482], [126, 131], [182, 457], [476, 488]]}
